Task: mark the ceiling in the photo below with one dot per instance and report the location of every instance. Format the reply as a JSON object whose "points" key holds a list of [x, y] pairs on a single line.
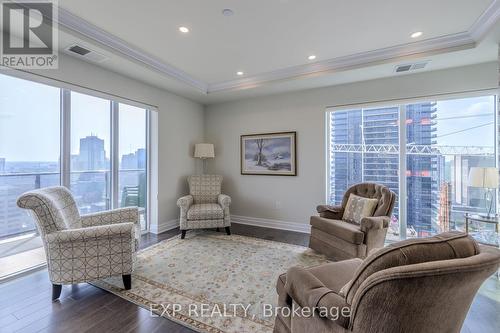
{"points": [[270, 40]]}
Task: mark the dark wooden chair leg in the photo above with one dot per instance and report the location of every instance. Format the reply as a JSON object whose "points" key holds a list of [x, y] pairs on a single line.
{"points": [[217, 229], [228, 230], [183, 234], [56, 291], [127, 281]]}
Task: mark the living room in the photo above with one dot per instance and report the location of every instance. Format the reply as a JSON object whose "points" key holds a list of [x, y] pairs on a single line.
{"points": [[249, 166]]}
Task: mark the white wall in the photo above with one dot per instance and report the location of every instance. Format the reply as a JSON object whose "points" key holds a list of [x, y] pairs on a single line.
{"points": [[293, 199], [180, 125]]}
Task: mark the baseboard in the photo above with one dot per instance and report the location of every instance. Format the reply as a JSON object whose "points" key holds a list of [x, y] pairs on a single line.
{"points": [[273, 224], [255, 221], [164, 226]]}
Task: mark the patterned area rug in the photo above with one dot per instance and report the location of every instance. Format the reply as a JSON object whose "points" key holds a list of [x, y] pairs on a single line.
{"points": [[212, 282]]}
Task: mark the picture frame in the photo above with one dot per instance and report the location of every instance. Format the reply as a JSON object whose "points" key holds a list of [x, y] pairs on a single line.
{"points": [[269, 154]]}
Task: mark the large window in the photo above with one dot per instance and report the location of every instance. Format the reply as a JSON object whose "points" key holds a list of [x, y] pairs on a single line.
{"points": [[90, 151], [423, 152], [29, 147], [133, 176], [96, 147]]}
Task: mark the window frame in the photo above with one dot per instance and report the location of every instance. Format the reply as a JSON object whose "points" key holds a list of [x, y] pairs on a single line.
{"points": [[65, 135], [402, 103]]}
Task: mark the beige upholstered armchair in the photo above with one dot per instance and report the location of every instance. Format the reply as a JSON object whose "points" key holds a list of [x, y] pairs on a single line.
{"points": [[413, 286], [82, 248], [337, 238], [205, 206]]}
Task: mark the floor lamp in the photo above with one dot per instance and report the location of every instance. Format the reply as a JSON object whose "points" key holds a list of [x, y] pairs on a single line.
{"points": [[486, 178], [204, 151]]}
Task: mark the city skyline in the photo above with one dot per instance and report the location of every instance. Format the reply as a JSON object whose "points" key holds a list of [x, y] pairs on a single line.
{"points": [[428, 174], [89, 182]]}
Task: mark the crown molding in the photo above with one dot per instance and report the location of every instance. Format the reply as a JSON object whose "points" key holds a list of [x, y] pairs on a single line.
{"points": [[485, 22], [425, 48], [448, 43], [81, 26]]}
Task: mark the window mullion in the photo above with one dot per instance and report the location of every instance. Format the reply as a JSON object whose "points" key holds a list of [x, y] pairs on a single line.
{"points": [[114, 154], [148, 169], [403, 200], [65, 158]]}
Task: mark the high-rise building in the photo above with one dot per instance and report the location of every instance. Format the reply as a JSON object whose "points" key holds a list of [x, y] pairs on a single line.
{"points": [[135, 160], [141, 158], [373, 136], [423, 170], [346, 168], [92, 155], [129, 161]]}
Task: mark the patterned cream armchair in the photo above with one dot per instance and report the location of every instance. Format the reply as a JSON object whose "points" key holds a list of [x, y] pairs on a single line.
{"points": [[205, 206], [82, 248]]}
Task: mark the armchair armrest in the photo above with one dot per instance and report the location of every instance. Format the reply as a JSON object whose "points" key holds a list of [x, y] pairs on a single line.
{"points": [[375, 229], [95, 233], [119, 215], [185, 202], [330, 212], [374, 223], [308, 291], [224, 200]]}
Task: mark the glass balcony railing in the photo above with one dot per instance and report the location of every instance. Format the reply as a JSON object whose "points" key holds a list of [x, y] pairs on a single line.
{"points": [[91, 190], [13, 220]]}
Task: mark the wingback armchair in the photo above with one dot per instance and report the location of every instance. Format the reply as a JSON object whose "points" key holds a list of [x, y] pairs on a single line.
{"points": [[339, 239], [413, 286], [82, 248], [205, 206]]}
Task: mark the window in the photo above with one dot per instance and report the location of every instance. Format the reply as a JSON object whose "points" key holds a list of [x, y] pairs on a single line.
{"points": [[90, 180], [423, 152], [100, 154], [29, 147], [133, 177]]}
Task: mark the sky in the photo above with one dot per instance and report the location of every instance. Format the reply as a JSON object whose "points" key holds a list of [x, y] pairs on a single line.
{"points": [[466, 113], [274, 145], [29, 121]]}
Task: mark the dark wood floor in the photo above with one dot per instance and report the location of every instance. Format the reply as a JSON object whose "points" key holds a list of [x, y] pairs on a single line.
{"points": [[25, 304]]}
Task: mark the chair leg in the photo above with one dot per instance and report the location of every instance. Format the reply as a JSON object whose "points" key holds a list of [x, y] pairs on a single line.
{"points": [[56, 291], [228, 230], [183, 234], [127, 281]]}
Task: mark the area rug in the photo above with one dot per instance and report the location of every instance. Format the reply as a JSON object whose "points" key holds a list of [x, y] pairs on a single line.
{"points": [[212, 282]]}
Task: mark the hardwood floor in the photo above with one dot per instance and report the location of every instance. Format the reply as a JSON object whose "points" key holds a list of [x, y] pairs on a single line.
{"points": [[26, 306]]}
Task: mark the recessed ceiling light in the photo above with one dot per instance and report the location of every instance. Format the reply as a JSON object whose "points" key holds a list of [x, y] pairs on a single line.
{"points": [[416, 34], [239, 73], [183, 29], [227, 12], [311, 57]]}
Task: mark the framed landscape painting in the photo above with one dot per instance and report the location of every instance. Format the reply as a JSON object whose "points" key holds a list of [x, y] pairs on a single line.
{"points": [[269, 154]]}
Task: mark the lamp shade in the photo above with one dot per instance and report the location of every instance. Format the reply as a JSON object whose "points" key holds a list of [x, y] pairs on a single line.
{"points": [[204, 150], [483, 177]]}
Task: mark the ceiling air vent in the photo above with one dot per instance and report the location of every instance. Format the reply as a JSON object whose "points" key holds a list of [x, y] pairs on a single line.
{"points": [[411, 67], [84, 52]]}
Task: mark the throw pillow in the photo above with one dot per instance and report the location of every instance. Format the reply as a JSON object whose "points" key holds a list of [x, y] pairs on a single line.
{"points": [[358, 207]]}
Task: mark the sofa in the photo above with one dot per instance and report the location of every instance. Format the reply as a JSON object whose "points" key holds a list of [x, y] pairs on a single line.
{"points": [[413, 286]]}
